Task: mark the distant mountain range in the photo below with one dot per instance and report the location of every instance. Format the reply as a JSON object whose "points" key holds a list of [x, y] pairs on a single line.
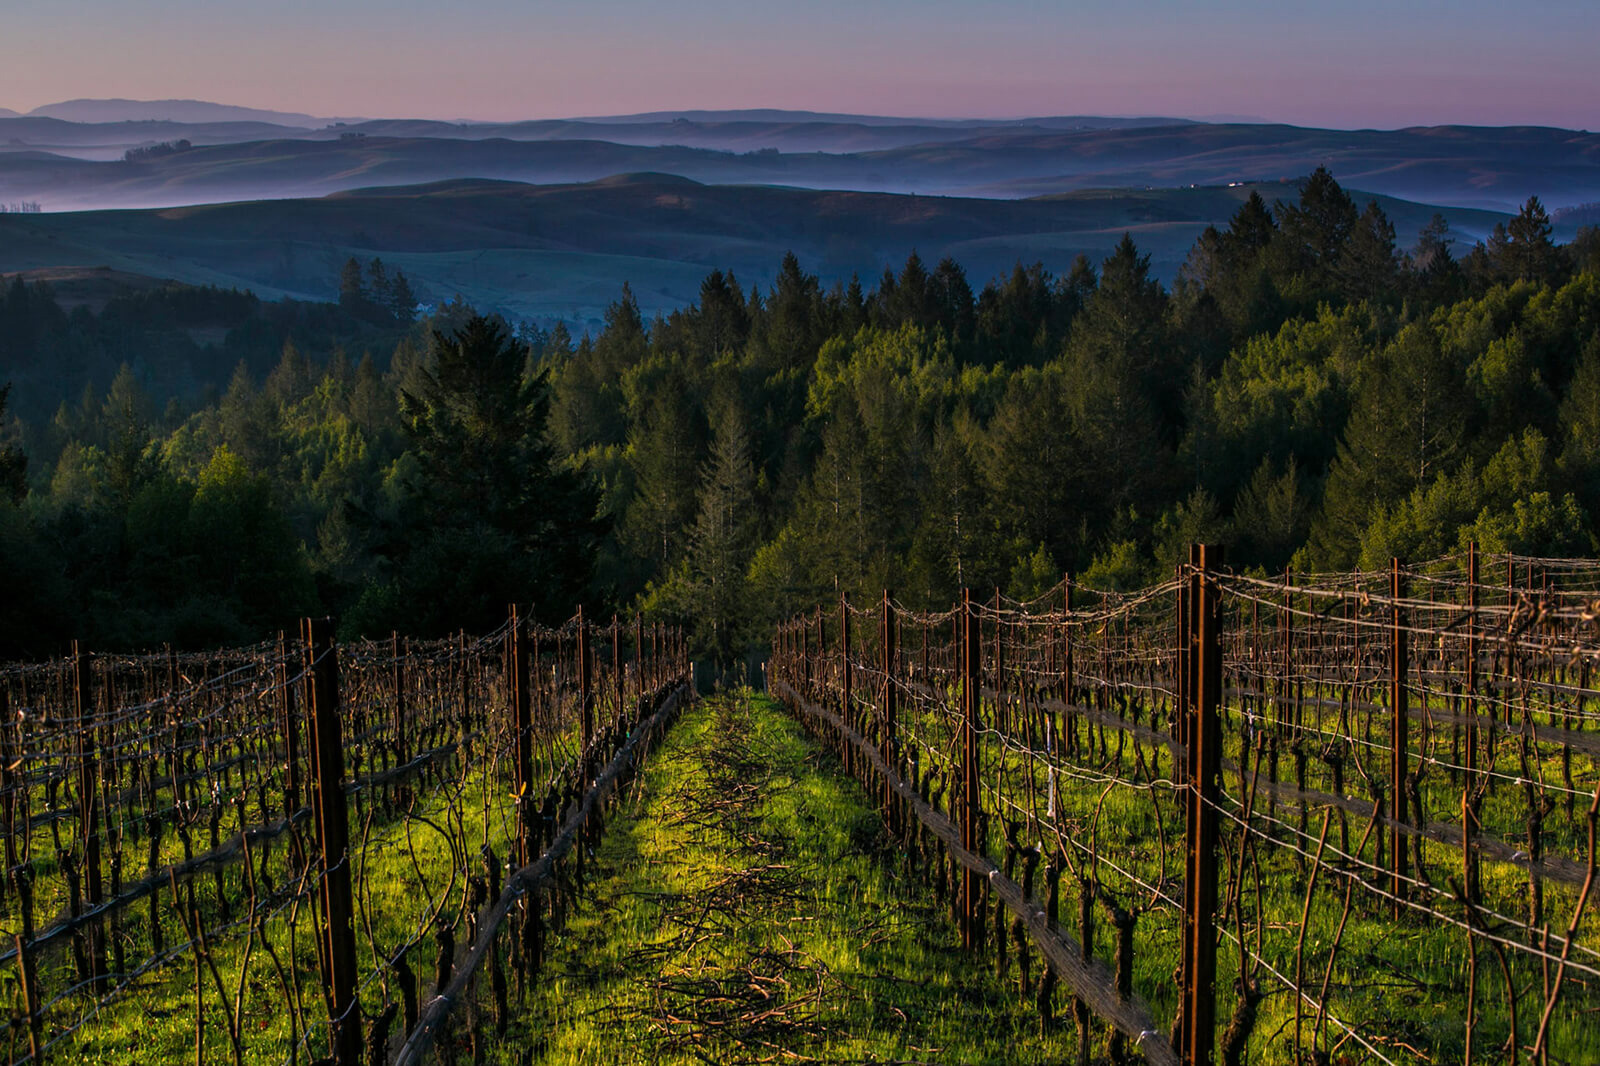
{"points": [[779, 115], [202, 111], [77, 166], [194, 111], [533, 219], [564, 251]]}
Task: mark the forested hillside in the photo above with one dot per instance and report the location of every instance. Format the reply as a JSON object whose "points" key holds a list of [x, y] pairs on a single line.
{"points": [[1311, 391]]}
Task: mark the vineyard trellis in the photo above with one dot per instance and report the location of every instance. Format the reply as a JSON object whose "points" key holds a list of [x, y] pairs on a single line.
{"points": [[173, 823], [1338, 817]]}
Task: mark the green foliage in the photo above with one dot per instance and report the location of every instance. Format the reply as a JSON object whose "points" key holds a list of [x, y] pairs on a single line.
{"points": [[722, 543], [1514, 504], [1407, 426], [1033, 576], [13, 461], [1195, 520], [1306, 394], [740, 824], [1521, 250], [1121, 568], [1272, 515], [1311, 246], [1275, 398], [493, 518]]}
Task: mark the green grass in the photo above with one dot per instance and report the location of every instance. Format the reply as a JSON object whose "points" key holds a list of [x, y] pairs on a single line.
{"points": [[743, 905], [1401, 981], [750, 909], [154, 1021], [407, 846]]}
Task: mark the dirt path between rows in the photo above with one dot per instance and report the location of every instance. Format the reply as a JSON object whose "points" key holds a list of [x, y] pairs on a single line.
{"points": [[744, 907]]}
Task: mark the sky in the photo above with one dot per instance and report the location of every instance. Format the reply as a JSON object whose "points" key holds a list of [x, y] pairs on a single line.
{"points": [[1354, 64]]}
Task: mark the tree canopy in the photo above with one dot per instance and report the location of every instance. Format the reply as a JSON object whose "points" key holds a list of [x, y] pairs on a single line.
{"points": [[1315, 389]]}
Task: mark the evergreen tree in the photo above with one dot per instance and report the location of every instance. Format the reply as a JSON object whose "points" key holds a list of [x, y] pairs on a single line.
{"points": [[352, 289], [1232, 268], [402, 300], [1408, 427], [13, 462], [665, 439], [952, 301], [1017, 321], [852, 309], [792, 324], [721, 322], [126, 419], [1370, 266], [910, 300], [1521, 250], [379, 289], [500, 520], [1271, 516], [1122, 322], [723, 540], [1435, 275], [1251, 231], [1313, 232], [1039, 482]]}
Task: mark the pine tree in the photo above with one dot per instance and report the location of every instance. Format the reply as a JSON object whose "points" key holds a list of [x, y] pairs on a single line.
{"points": [[1408, 427], [380, 290], [402, 301], [125, 418], [13, 462], [793, 318], [952, 300], [724, 539], [721, 323], [352, 290], [1018, 321], [1521, 250], [1434, 274], [499, 519], [1370, 266], [1313, 232], [1251, 230]]}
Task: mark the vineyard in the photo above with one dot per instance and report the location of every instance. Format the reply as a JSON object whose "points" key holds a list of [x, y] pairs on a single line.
{"points": [[1318, 819], [1311, 819], [304, 838]]}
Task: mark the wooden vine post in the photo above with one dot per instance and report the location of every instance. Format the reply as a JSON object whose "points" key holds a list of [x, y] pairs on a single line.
{"points": [[30, 1000], [337, 941], [1066, 676], [1469, 809], [618, 674], [638, 657], [585, 682], [1184, 653], [521, 715], [1197, 1038], [971, 704], [401, 753], [891, 752], [1002, 719], [805, 658], [89, 809], [1399, 731], [845, 701]]}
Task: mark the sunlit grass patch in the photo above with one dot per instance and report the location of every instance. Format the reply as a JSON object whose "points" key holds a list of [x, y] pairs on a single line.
{"points": [[751, 910]]}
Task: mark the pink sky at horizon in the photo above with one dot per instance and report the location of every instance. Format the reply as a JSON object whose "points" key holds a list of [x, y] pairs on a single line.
{"points": [[1422, 62]]}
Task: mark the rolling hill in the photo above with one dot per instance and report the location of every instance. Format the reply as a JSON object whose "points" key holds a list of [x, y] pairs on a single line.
{"points": [[1495, 169], [118, 110], [565, 250]]}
